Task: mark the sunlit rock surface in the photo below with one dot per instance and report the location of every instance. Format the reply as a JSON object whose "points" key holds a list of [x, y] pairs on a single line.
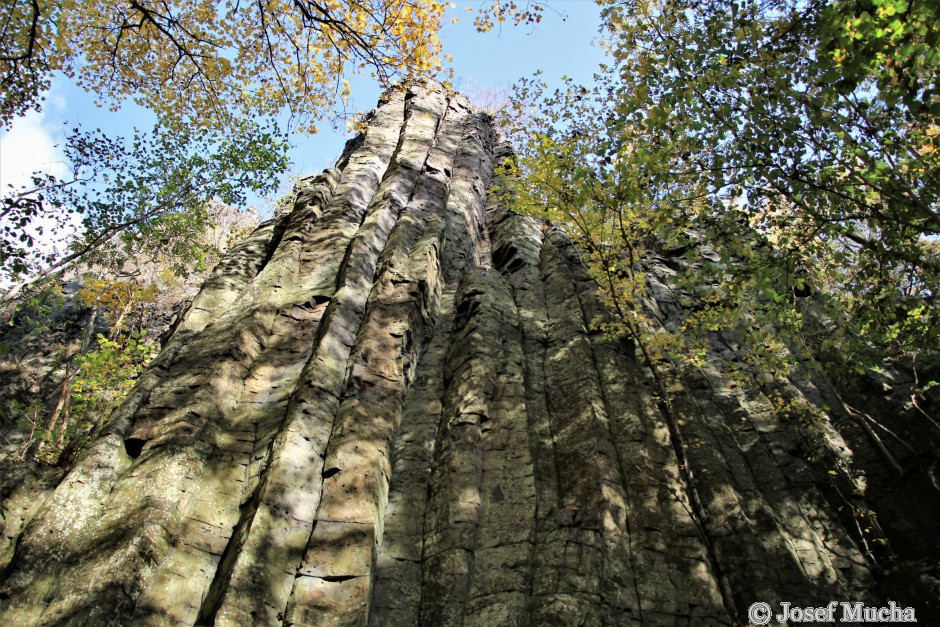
{"points": [[389, 407]]}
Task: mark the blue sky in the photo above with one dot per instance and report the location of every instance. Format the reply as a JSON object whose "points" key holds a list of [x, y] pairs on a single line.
{"points": [[563, 44]]}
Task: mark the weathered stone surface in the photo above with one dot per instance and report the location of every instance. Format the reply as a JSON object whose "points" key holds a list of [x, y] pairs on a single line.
{"points": [[389, 407]]}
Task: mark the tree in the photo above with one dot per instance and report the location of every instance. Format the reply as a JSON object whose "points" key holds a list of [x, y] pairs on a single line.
{"points": [[123, 200], [207, 61], [797, 140]]}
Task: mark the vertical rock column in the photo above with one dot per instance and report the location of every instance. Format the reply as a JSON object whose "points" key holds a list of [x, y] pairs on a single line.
{"points": [[203, 500]]}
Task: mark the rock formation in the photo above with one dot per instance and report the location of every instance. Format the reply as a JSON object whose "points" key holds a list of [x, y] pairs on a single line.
{"points": [[390, 407]]}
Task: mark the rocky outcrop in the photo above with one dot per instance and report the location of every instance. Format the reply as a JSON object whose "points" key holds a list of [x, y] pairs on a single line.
{"points": [[389, 407]]}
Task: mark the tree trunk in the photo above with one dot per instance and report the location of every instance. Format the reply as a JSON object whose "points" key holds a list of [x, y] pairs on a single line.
{"points": [[389, 407]]}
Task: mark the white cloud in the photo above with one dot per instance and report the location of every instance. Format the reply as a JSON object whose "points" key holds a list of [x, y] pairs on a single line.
{"points": [[32, 143]]}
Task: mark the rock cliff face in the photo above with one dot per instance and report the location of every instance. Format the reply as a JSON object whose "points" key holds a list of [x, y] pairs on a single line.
{"points": [[388, 407]]}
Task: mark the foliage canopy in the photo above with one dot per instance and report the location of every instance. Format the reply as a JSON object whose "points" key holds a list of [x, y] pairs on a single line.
{"points": [[788, 147], [210, 61], [148, 195]]}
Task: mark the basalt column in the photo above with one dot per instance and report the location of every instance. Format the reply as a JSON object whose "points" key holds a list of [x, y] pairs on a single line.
{"points": [[389, 407]]}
